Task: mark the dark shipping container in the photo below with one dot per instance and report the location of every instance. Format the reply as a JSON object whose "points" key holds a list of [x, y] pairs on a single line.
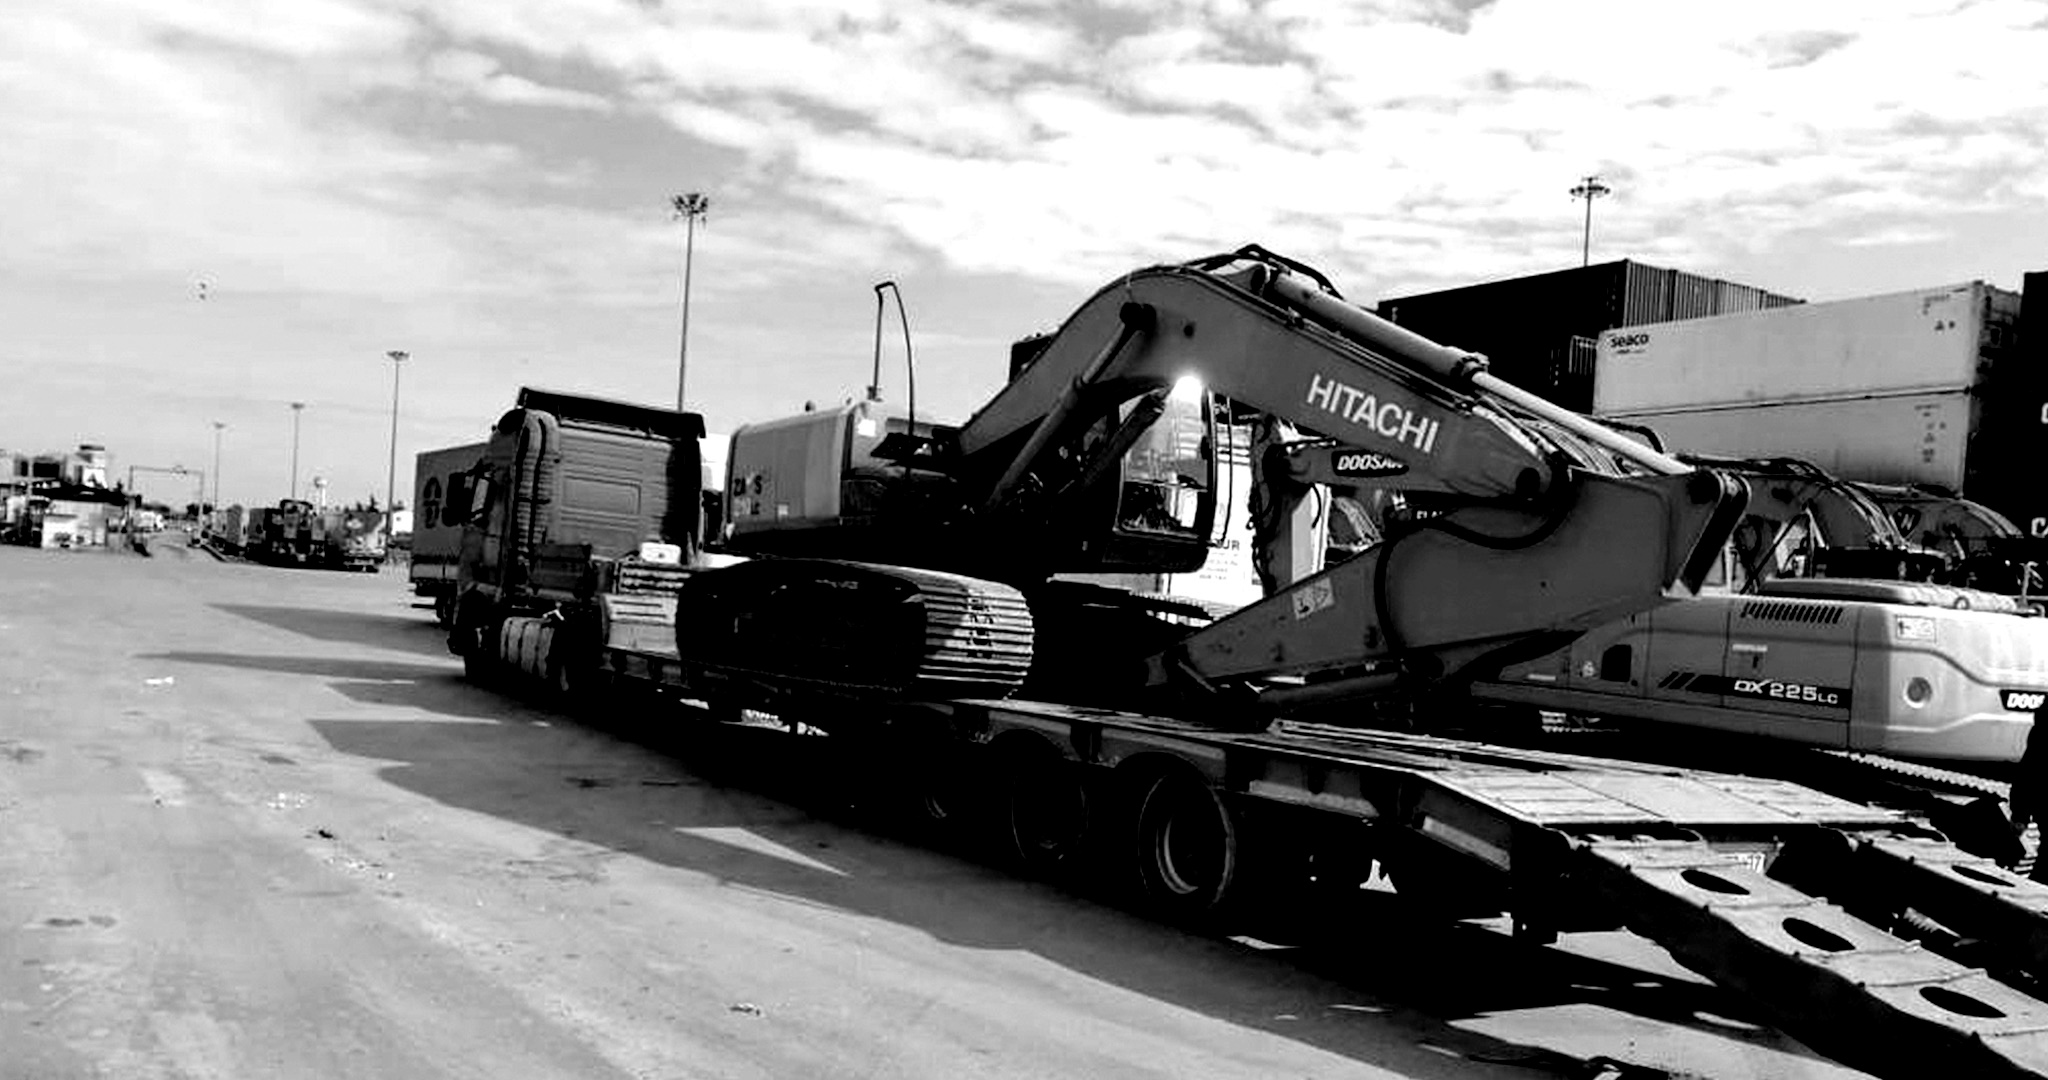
{"points": [[1526, 325]]}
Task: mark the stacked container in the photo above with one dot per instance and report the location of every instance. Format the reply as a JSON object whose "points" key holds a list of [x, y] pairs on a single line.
{"points": [[1901, 388], [1538, 331]]}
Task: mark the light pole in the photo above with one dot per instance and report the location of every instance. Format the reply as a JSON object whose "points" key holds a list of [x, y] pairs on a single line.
{"points": [[398, 359], [218, 427], [689, 207], [297, 408], [1589, 189]]}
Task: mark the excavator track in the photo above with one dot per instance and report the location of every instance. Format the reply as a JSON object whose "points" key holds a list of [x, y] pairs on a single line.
{"points": [[783, 628]]}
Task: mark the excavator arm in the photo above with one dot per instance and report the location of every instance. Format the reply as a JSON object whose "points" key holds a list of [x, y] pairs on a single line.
{"points": [[1546, 543]]}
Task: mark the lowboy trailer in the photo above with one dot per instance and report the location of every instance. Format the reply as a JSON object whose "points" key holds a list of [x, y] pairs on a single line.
{"points": [[1858, 930]]}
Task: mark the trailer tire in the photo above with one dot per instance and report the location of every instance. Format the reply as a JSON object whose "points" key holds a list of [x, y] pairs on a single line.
{"points": [[943, 790], [1045, 807], [1187, 847]]}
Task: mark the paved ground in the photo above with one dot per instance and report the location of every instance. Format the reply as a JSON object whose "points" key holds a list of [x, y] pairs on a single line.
{"points": [[252, 824]]}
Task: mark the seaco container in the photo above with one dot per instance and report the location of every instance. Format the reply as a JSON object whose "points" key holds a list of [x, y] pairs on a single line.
{"points": [[1922, 387], [1926, 341]]}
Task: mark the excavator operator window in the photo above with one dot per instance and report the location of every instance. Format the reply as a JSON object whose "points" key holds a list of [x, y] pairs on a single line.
{"points": [[1169, 472]]}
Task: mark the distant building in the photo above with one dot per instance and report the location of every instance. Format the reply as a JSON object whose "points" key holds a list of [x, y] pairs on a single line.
{"points": [[57, 500]]}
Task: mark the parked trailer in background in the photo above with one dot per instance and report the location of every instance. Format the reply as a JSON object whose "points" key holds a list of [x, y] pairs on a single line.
{"points": [[297, 533], [227, 531], [440, 480], [1905, 388]]}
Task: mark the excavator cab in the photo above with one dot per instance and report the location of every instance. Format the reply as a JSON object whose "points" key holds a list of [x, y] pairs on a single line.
{"points": [[1168, 478]]}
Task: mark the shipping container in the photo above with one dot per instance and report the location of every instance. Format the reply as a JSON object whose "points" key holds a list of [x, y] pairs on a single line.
{"points": [[1928, 340], [1937, 386], [440, 479], [1526, 326], [1892, 439], [2015, 443]]}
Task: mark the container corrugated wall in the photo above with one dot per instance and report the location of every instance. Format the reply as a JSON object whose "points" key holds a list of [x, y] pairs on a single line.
{"points": [[1908, 342], [2006, 452], [1905, 439]]}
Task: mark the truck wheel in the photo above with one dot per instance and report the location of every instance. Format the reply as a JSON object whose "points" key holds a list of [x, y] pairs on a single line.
{"points": [[1045, 809], [1187, 847]]}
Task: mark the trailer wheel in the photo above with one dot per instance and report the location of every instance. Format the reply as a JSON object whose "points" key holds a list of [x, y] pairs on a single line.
{"points": [[1045, 809], [1188, 856], [943, 791]]}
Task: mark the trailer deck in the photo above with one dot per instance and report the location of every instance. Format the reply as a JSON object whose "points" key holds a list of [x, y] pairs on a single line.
{"points": [[1761, 885], [1857, 928]]}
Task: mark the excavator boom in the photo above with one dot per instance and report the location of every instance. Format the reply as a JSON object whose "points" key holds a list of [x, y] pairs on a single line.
{"points": [[1550, 544]]}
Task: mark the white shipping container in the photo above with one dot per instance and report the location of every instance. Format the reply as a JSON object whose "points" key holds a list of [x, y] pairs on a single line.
{"points": [[1907, 439], [1927, 340]]}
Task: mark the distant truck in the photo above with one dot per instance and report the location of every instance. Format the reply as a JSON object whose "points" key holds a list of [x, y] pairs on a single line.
{"points": [[440, 481], [298, 533], [1928, 387]]}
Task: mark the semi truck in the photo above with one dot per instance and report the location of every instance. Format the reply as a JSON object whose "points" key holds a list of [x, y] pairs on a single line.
{"points": [[1928, 387], [894, 584]]}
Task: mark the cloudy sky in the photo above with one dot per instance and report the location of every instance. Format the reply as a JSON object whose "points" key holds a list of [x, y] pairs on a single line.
{"points": [[211, 208]]}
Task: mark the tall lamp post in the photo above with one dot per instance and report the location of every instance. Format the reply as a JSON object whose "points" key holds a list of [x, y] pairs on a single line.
{"points": [[1589, 189], [689, 207], [398, 359], [297, 408], [218, 427]]}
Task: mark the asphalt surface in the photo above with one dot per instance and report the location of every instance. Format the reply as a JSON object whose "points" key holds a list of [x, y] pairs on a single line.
{"points": [[254, 824]]}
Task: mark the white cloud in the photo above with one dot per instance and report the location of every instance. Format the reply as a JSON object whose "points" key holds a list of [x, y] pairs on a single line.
{"points": [[1426, 140], [485, 78], [1896, 236]]}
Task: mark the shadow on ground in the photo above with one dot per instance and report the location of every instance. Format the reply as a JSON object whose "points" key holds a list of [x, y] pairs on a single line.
{"points": [[1377, 983], [415, 632], [436, 688]]}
